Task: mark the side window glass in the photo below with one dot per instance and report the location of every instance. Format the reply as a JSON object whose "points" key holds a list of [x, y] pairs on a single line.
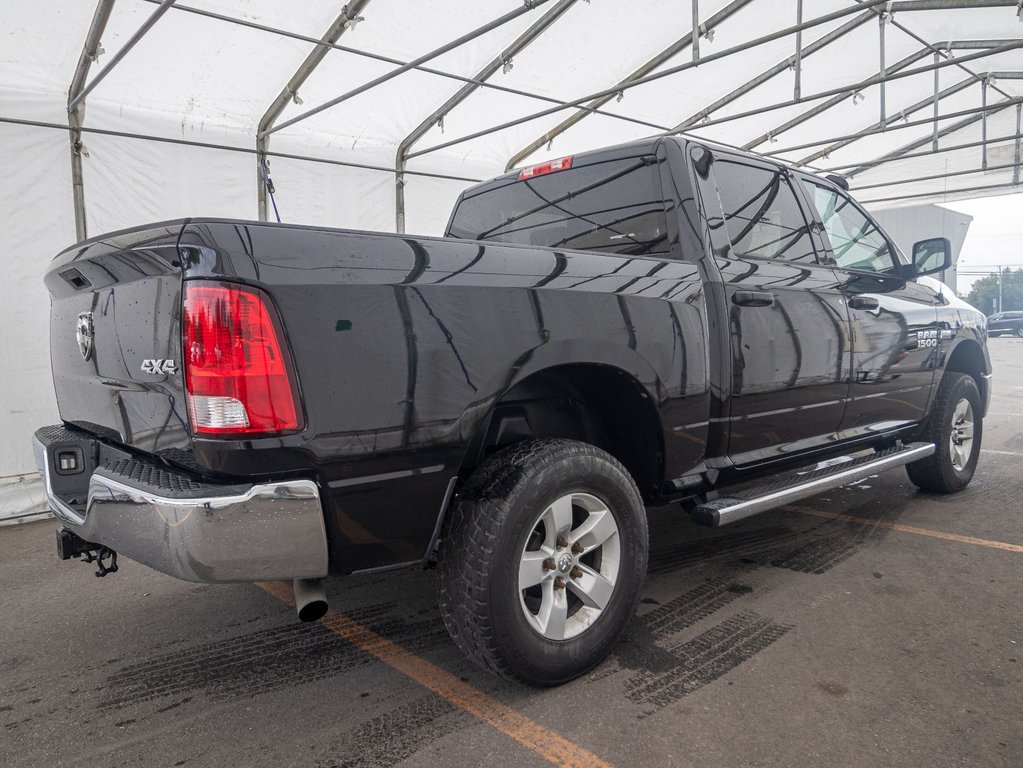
{"points": [[762, 213], [855, 240]]}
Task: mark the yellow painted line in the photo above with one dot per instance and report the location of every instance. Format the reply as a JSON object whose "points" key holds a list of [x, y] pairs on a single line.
{"points": [[1001, 453], [1005, 546], [545, 742]]}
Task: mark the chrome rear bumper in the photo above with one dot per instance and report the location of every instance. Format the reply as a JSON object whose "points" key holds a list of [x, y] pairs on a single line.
{"points": [[192, 530]]}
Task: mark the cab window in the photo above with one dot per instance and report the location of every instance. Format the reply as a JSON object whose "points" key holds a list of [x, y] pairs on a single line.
{"points": [[855, 240], [614, 206], [761, 213]]}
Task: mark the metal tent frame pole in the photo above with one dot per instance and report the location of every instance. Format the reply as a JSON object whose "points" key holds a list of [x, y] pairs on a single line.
{"points": [[870, 81], [928, 153], [526, 7], [902, 152], [668, 53], [772, 135], [911, 59], [204, 13], [499, 62], [884, 9], [80, 88], [76, 113], [229, 148], [941, 193], [783, 33], [653, 76], [349, 15], [848, 138], [1019, 151], [933, 177], [147, 25], [797, 65], [773, 71], [881, 126]]}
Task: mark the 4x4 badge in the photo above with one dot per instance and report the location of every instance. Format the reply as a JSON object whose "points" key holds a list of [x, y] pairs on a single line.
{"points": [[84, 334], [159, 366]]}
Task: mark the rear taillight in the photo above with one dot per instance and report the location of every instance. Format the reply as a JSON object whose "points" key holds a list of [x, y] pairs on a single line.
{"points": [[238, 376]]}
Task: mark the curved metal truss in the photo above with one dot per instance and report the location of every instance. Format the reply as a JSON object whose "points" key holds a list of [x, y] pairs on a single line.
{"points": [[965, 59]]}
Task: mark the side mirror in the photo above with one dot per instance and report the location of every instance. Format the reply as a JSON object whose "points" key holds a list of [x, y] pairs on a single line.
{"points": [[930, 256]]}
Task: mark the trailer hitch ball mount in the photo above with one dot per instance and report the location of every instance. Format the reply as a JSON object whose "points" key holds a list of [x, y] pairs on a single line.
{"points": [[70, 545]]}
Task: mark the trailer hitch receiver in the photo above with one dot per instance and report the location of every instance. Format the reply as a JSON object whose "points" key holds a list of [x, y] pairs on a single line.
{"points": [[71, 545]]}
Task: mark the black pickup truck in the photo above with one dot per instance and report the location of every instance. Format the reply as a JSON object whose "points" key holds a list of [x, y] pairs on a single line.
{"points": [[667, 320]]}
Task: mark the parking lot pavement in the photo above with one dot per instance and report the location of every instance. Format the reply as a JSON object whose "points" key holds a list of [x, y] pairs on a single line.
{"points": [[871, 626]]}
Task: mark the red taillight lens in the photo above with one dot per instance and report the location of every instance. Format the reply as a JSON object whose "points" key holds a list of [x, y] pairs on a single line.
{"points": [[237, 373]]}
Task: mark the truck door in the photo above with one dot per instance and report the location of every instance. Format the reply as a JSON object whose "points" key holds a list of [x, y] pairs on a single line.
{"points": [[786, 319], [894, 333]]}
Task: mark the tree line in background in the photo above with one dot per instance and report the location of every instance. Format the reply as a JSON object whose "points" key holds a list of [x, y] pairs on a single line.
{"points": [[984, 293]]}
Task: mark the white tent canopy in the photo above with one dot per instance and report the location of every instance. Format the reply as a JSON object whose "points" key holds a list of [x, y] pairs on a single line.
{"points": [[914, 100]]}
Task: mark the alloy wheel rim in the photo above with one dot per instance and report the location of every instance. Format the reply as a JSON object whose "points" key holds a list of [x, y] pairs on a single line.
{"points": [[960, 439], [569, 566]]}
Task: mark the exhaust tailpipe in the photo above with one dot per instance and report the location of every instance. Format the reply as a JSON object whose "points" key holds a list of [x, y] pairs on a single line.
{"points": [[310, 599]]}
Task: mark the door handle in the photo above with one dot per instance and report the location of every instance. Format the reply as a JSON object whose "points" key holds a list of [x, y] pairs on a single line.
{"points": [[862, 302], [753, 298]]}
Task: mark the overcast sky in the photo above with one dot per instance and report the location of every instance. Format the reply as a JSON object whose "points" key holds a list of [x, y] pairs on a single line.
{"points": [[995, 237]]}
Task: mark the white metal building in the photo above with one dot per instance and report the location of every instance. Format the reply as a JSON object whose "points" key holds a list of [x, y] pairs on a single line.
{"points": [[910, 224]]}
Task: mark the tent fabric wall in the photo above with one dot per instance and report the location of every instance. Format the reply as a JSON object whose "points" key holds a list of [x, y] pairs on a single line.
{"points": [[193, 78], [37, 221]]}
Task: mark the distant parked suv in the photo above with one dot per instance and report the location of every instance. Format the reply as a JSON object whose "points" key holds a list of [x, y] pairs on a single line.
{"points": [[1005, 322]]}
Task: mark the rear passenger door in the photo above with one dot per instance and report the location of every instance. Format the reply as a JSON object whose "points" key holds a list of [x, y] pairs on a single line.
{"points": [[895, 338], [786, 318]]}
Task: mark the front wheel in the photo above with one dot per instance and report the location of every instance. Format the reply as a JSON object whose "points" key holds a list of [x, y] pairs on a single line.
{"points": [[1019, 332], [955, 427], [543, 560]]}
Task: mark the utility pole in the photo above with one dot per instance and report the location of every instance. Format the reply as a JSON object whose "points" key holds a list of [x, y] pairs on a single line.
{"points": [[1000, 270]]}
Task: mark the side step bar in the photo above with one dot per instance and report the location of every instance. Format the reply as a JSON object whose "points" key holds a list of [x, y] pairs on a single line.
{"points": [[751, 501]]}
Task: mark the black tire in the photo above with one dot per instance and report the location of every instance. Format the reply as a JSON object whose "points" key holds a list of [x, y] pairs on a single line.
{"points": [[938, 473], [1019, 332], [488, 533]]}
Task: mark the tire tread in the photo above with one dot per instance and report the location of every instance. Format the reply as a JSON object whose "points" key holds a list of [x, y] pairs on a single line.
{"points": [[933, 473], [470, 536]]}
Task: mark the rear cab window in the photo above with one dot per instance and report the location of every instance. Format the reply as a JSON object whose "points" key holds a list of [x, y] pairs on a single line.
{"points": [[615, 206]]}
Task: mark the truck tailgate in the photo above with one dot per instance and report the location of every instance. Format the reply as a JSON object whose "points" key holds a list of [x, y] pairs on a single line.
{"points": [[115, 338]]}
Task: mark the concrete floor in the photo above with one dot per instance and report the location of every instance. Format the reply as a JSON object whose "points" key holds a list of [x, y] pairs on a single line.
{"points": [[789, 640]]}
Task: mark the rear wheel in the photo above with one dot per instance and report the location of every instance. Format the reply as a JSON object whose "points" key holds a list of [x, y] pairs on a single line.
{"points": [[543, 561], [1019, 331], [956, 428]]}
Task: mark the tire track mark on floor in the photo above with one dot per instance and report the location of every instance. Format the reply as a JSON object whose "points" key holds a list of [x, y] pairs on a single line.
{"points": [[263, 661], [816, 553], [388, 739], [700, 551], [704, 659], [646, 647]]}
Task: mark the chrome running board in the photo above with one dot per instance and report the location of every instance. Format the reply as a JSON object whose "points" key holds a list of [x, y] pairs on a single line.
{"points": [[756, 499]]}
